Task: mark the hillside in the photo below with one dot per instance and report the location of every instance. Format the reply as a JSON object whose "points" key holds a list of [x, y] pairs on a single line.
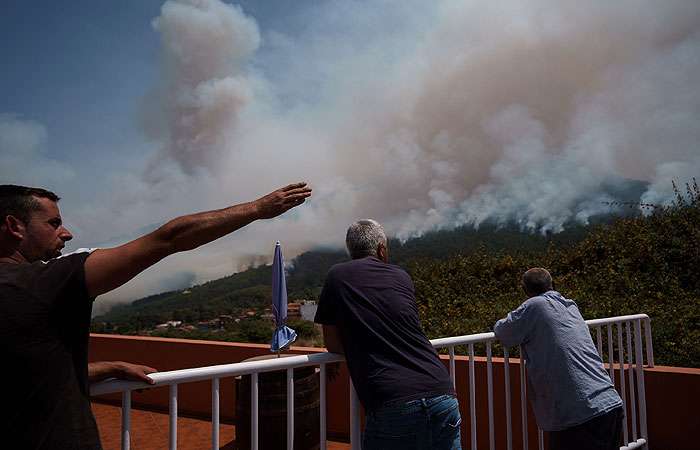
{"points": [[251, 288]]}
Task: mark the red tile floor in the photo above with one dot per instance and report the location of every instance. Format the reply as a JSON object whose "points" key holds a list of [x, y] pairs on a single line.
{"points": [[149, 431]]}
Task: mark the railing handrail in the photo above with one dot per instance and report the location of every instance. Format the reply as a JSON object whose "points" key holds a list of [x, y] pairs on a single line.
{"points": [[609, 320], [219, 371], [466, 339], [248, 367]]}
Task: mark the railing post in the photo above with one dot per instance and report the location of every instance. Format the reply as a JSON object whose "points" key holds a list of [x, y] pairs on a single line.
{"points": [[254, 411], [472, 396], [355, 432], [126, 420], [633, 401], [611, 355], [623, 390], [649, 345], [523, 399], [322, 408], [452, 367], [215, 414], [290, 409], [506, 381], [489, 386], [640, 381], [173, 417]]}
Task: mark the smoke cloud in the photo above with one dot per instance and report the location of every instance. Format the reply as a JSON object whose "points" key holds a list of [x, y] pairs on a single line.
{"points": [[205, 47], [423, 115], [23, 150]]}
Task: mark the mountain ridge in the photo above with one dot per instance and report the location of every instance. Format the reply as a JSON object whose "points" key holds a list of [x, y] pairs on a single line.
{"points": [[306, 272]]}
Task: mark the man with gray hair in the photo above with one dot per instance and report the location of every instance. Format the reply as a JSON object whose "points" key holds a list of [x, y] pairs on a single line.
{"points": [[369, 314], [572, 395]]}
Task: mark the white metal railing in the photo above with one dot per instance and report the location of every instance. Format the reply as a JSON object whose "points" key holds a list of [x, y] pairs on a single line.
{"points": [[215, 373], [619, 326], [625, 328]]}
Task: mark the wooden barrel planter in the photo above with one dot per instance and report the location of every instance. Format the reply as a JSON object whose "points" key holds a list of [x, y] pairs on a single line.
{"points": [[272, 409]]}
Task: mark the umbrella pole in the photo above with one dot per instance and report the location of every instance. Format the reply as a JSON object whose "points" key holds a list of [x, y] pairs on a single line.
{"points": [[278, 346]]}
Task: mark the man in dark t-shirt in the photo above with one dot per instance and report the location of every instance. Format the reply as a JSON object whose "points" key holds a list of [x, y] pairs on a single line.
{"points": [[368, 311], [46, 301], [44, 326]]}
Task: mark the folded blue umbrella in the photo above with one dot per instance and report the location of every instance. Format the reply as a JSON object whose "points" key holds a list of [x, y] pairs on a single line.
{"points": [[283, 336]]}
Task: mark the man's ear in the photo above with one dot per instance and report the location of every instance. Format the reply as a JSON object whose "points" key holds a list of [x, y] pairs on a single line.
{"points": [[15, 227], [382, 253]]}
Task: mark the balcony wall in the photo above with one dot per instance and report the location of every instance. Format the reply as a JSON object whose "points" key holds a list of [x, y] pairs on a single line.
{"points": [[672, 393]]}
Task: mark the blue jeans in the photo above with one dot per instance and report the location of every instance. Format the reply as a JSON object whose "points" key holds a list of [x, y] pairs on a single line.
{"points": [[423, 424]]}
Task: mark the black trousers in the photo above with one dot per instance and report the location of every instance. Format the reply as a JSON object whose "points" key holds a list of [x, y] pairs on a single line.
{"points": [[600, 433]]}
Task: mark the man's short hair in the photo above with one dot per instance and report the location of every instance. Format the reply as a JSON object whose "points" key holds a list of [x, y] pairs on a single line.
{"points": [[363, 238], [20, 201], [537, 281]]}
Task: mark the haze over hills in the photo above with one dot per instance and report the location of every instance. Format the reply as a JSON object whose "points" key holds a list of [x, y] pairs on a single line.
{"points": [[251, 288]]}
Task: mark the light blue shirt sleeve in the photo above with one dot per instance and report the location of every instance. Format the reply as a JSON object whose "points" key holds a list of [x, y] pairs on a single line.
{"points": [[517, 326]]}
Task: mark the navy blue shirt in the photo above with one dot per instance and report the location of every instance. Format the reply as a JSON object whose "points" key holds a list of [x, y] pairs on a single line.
{"points": [[390, 359]]}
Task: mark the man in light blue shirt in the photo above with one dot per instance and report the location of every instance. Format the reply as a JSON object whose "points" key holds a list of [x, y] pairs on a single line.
{"points": [[572, 395]]}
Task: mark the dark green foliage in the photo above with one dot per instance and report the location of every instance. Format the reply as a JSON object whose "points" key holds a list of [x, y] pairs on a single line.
{"points": [[257, 331], [305, 329], [488, 237], [228, 295], [308, 270], [466, 294]]}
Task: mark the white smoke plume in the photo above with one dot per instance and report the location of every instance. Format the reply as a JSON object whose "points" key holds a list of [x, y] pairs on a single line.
{"points": [[422, 115], [205, 48]]}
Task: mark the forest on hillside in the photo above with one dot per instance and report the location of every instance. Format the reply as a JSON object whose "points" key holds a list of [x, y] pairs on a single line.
{"points": [[250, 289], [635, 264]]}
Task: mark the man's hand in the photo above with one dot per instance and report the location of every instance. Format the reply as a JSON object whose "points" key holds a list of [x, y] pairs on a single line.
{"points": [[281, 200], [103, 370]]}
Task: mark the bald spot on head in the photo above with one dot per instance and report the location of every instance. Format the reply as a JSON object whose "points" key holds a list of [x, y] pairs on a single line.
{"points": [[537, 281]]}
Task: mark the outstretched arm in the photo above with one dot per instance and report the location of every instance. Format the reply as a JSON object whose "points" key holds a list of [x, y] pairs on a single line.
{"points": [[98, 371], [107, 269]]}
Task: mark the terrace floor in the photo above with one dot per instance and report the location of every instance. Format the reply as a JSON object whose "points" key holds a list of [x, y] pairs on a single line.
{"points": [[149, 430]]}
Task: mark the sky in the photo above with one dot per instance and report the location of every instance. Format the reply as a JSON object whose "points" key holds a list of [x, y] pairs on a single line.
{"points": [[423, 115]]}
